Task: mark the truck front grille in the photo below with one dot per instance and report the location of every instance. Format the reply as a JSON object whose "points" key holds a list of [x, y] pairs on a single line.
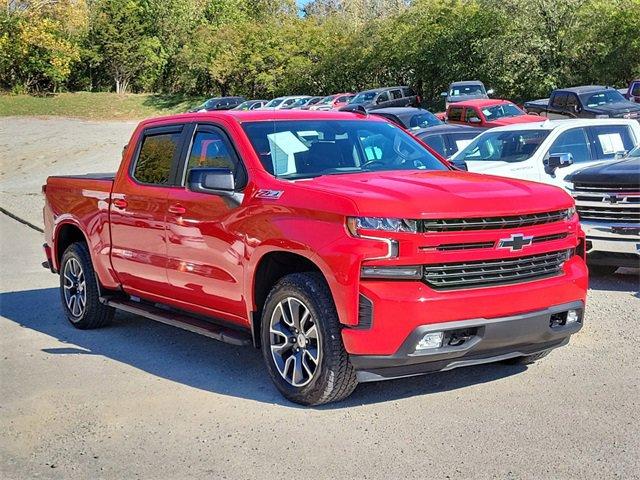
{"points": [[448, 276], [606, 204], [486, 223]]}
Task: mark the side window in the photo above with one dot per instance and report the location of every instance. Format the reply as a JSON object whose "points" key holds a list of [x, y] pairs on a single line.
{"points": [[635, 89], [211, 150], [383, 97], [470, 113], [455, 114], [611, 139], [156, 157], [396, 94], [575, 142], [437, 143], [559, 100], [572, 102], [408, 92]]}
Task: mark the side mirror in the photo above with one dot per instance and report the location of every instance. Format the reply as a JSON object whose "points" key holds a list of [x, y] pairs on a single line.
{"points": [[558, 160], [475, 120], [490, 91], [620, 155], [443, 94], [217, 181]]}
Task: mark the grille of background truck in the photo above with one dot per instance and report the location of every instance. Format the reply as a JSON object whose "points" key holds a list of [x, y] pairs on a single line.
{"points": [[606, 204], [486, 223], [447, 276]]}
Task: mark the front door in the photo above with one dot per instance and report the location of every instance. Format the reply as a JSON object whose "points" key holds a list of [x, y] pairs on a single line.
{"points": [[138, 209], [204, 251]]}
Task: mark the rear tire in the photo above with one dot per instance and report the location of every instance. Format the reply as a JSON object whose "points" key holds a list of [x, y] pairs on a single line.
{"points": [[527, 359], [79, 290], [299, 324]]}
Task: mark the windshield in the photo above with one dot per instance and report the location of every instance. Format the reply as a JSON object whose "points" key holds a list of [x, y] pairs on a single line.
{"points": [[501, 111], [423, 120], [274, 103], [326, 100], [511, 146], [602, 98], [310, 148], [363, 97], [210, 103], [300, 102], [245, 105], [463, 90]]}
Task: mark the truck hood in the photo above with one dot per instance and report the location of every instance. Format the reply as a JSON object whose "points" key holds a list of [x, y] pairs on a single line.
{"points": [[623, 173], [445, 194], [616, 109]]}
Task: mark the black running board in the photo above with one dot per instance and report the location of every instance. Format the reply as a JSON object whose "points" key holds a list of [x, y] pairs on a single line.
{"points": [[181, 320]]}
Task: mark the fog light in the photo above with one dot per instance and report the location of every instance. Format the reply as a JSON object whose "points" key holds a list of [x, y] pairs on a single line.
{"points": [[430, 340], [573, 317]]}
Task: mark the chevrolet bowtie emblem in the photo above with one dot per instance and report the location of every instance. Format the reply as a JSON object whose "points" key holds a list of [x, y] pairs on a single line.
{"points": [[517, 241], [611, 198]]}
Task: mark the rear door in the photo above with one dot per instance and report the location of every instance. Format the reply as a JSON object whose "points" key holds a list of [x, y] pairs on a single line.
{"points": [[397, 100], [138, 209], [204, 252], [557, 106], [609, 140]]}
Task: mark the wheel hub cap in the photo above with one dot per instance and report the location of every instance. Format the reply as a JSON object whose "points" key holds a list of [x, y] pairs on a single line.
{"points": [[74, 289], [294, 341]]}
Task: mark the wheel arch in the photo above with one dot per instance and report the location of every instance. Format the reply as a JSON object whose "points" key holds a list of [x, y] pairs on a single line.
{"points": [[271, 266], [66, 234]]}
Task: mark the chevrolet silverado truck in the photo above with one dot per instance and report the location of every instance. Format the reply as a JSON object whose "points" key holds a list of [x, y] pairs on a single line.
{"points": [[607, 198], [589, 101], [632, 92], [337, 243]]}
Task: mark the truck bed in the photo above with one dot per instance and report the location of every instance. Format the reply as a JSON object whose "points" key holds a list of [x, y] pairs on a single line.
{"points": [[537, 105]]}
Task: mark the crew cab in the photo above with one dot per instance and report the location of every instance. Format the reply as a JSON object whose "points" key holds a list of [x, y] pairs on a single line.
{"points": [[590, 101], [487, 113], [550, 150], [607, 198], [336, 242]]}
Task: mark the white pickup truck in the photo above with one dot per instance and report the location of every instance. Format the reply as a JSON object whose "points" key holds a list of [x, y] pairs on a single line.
{"points": [[550, 150]]}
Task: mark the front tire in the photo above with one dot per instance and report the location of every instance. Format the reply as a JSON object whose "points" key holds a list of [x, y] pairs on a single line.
{"points": [[301, 342], [79, 290]]}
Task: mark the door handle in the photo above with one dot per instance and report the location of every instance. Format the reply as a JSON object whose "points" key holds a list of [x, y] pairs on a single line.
{"points": [[177, 209], [120, 203]]}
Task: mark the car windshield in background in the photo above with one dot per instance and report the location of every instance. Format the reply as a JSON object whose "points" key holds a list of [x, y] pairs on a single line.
{"points": [[364, 97], [300, 102], [466, 90], [310, 148], [274, 103], [423, 120], [501, 111], [210, 104], [326, 100], [602, 98], [514, 146]]}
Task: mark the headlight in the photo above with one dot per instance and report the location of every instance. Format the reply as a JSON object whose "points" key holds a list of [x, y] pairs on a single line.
{"points": [[354, 224]]}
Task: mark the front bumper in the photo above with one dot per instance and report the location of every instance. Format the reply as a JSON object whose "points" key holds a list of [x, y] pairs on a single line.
{"points": [[493, 340], [613, 244]]}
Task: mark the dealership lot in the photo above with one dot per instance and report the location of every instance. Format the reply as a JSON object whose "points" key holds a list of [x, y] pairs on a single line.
{"points": [[143, 399]]}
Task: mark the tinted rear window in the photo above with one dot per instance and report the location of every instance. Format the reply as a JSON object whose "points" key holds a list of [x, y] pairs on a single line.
{"points": [[156, 157]]}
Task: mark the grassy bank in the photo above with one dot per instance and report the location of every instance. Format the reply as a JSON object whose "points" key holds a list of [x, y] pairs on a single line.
{"points": [[96, 106]]}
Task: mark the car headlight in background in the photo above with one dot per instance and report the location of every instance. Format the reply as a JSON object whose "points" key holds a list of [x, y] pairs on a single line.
{"points": [[383, 224]]}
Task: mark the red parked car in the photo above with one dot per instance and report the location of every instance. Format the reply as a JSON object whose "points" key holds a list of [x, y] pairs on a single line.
{"points": [[333, 102], [487, 113], [336, 242]]}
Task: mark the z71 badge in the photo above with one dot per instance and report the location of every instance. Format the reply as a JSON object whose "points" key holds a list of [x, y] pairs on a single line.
{"points": [[269, 194]]}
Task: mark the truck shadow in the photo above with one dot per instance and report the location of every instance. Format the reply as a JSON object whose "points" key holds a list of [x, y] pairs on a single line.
{"points": [[202, 363]]}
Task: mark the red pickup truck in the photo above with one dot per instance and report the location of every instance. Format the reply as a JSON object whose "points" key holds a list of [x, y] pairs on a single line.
{"points": [[487, 113], [336, 242]]}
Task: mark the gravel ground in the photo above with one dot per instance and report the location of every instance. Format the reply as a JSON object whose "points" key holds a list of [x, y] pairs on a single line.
{"points": [[143, 400]]}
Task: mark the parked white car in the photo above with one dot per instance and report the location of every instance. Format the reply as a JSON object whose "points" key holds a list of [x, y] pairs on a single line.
{"points": [[279, 103], [550, 150]]}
